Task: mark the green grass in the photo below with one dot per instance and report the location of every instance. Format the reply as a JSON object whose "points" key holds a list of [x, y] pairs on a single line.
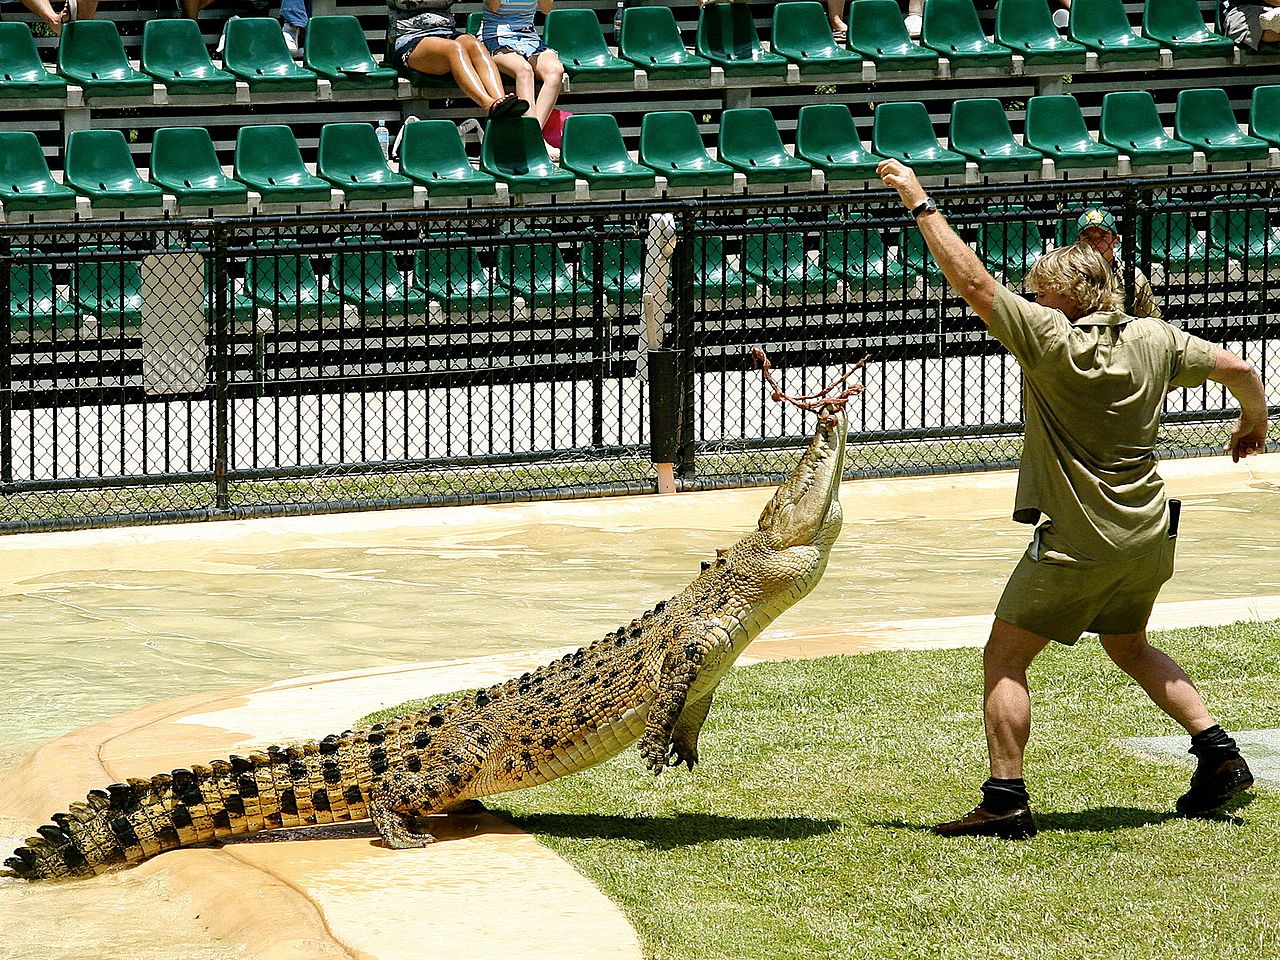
{"points": [[803, 832]]}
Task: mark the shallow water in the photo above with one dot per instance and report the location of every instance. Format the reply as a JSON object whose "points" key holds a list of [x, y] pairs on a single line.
{"points": [[145, 619]]}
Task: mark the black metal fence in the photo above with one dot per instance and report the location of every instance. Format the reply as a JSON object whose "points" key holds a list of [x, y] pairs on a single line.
{"points": [[236, 367]]}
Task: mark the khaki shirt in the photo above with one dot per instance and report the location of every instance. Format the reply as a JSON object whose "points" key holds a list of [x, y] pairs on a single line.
{"points": [[1093, 392], [1144, 299]]}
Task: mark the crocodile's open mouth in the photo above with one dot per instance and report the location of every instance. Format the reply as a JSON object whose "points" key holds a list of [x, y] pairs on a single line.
{"points": [[804, 503]]}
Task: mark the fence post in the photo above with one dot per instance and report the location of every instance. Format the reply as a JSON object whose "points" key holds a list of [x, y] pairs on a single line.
{"points": [[221, 368], [600, 333], [1129, 245], [685, 373], [6, 362]]}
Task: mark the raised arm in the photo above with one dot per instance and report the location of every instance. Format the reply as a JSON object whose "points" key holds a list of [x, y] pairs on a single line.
{"points": [[960, 265], [1239, 376], [545, 5]]}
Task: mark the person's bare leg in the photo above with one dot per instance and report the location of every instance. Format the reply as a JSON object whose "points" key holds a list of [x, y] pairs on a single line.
{"points": [[191, 8], [439, 57], [550, 72], [44, 10], [1006, 699], [86, 9], [483, 65], [835, 16], [1162, 679], [520, 70]]}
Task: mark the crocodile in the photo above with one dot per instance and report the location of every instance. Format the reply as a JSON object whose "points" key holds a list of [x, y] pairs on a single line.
{"points": [[651, 681]]}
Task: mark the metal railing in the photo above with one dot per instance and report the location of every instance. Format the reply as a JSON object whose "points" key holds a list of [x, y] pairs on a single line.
{"points": [[238, 367]]}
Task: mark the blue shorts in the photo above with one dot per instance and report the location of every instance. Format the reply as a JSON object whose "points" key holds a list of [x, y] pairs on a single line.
{"points": [[527, 43]]}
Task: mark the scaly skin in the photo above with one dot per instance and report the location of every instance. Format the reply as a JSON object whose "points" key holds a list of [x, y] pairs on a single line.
{"points": [[650, 681]]}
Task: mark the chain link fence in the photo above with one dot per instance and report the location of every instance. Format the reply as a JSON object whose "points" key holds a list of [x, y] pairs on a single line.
{"points": [[239, 367]]}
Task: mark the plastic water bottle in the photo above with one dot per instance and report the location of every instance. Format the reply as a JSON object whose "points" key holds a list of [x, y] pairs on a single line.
{"points": [[617, 21], [384, 138]]}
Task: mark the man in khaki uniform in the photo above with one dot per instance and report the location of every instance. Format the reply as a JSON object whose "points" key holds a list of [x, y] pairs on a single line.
{"points": [[1097, 228], [1095, 380]]}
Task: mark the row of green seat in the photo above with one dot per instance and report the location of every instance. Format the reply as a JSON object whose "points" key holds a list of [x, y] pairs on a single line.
{"points": [[184, 163], [92, 55], [774, 255]]}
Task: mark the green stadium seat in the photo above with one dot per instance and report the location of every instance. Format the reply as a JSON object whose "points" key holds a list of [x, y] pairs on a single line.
{"points": [[432, 154], [715, 278], [1264, 114], [255, 52], [110, 290], [903, 131], [1242, 231], [877, 32], [1066, 230], [335, 48], [1055, 126], [1131, 124], [474, 19], [827, 138], [1009, 247], [22, 75], [980, 130], [25, 181], [671, 144], [351, 158], [174, 53], [537, 272], [1178, 246], [1204, 119], [269, 161], [857, 255], [1103, 27], [1179, 25], [371, 281], [952, 28], [727, 37], [98, 165], [455, 278], [33, 300], [915, 259], [185, 164], [592, 148], [750, 142], [91, 54], [623, 268], [777, 258], [650, 38], [802, 34], [1027, 28], [285, 283], [515, 153], [576, 36]]}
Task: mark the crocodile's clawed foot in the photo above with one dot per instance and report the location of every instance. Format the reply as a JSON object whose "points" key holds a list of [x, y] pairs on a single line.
{"points": [[404, 840], [682, 755], [655, 755]]}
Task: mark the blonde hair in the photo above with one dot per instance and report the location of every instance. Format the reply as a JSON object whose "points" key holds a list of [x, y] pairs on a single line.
{"points": [[1078, 273]]}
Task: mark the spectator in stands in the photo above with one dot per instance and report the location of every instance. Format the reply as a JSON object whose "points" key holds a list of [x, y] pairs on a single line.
{"points": [[914, 18], [294, 17], [1061, 13], [74, 10], [422, 36], [1251, 24], [508, 33], [1097, 228], [835, 15], [1095, 382]]}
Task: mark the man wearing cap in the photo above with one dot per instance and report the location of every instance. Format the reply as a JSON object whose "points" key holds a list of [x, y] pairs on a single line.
{"points": [[1095, 380], [1097, 228]]}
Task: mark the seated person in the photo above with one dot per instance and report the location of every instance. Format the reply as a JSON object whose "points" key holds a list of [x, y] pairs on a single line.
{"points": [[508, 33], [422, 36], [1251, 24], [82, 10]]}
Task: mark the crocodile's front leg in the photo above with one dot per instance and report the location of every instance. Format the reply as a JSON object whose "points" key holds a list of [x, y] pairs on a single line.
{"points": [[680, 669], [684, 739]]}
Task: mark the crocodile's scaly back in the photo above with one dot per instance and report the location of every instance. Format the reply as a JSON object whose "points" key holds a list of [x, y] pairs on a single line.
{"points": [[651, 680]]}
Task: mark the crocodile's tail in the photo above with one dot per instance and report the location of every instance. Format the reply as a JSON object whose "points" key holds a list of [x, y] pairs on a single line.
{"points": [[127, 823]]}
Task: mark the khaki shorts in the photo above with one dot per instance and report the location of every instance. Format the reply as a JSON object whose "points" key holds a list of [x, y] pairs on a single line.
{"points": [[1058, 597]]}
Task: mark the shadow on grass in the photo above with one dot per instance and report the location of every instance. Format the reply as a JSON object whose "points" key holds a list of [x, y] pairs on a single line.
{"points": [[666, 833]]}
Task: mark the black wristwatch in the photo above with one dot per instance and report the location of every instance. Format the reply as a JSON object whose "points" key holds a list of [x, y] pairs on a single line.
{"points": [[924, 206]]}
